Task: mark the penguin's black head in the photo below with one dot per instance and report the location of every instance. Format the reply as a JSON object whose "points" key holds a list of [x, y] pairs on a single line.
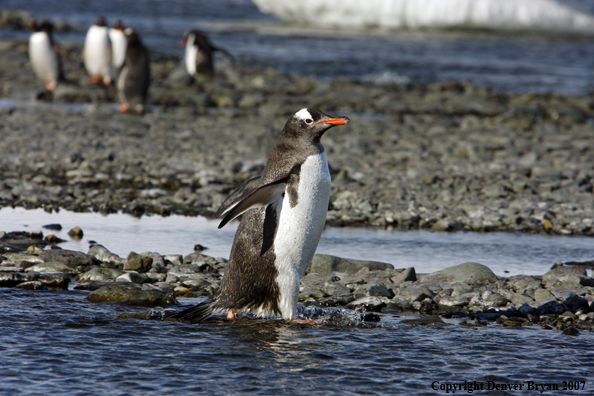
{"points": [[101, 22], [200, 39], [311, 124], [46, 26], [132, 37], [118, 25]]}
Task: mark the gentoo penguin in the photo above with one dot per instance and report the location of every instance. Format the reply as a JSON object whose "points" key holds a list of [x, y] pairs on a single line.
{"points": [[134, 79], [118, 45], [97, 53], [285, 212], [199, 55], [44, 58]]}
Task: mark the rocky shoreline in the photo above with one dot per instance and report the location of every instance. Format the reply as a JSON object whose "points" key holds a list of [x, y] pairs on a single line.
{"points": [[446, 157], [561, 299]]}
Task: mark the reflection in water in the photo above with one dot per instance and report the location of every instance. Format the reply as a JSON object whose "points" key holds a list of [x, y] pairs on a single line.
{"points": [[505, 254]]}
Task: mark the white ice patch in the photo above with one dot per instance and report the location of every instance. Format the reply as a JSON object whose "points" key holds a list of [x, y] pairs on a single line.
{"points": [[303, 114], [397, 14]]}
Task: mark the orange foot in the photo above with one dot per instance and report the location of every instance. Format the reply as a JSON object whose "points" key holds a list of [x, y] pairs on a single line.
{"points": [[123, 108], [95, 79], [232, 315], [51, 85]]}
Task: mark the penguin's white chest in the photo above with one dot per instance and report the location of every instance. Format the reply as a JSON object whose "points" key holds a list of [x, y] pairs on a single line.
{"points": [[299, 230], [118, 45], [193, 56], [97, 51], [44, 59]]}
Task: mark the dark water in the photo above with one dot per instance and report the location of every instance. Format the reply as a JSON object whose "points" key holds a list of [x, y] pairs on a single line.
{"points": [[508, 62], [58, 343]]}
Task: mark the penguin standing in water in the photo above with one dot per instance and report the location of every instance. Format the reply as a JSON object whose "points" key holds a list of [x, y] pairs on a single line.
{"points": [[97, 53], [199, 55], [44, 57], [118, 45], [135, 77], [285, 212]]}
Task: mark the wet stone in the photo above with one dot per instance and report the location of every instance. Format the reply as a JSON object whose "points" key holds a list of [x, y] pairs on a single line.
{"points": [[104, 255], [32, 285], [138, 263], [76, 233], [99, 274], [69, 257], [121, 294]]}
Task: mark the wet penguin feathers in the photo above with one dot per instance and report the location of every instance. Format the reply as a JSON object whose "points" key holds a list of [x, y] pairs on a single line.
{"points": [[284, 212]]}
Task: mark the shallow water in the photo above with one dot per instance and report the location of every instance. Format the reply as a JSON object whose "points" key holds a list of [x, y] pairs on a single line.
{"points": [[506, 254], [509, 62], [58, 343]]}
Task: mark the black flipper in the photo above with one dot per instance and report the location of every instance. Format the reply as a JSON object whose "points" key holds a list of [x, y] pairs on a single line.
{"points": [[270, 227], [268, 194], [197, 313], [237, 195]]}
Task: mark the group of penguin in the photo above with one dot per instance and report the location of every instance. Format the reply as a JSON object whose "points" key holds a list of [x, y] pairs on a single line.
{"points": [[114, 54]]}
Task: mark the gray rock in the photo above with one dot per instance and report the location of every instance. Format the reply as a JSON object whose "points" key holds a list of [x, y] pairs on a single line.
{"points": [[457, 301], [381, 290], [326, 264], [70, 258], [370, 303], [541, 295], [104, 255], [133, 277], [100, 274], [123, 294], [158, 264], [33, 285], [175, 259], [54, 280], [576, 303], [408, 275], [470, 273], [51, 266], [524, 284], [414, 293], [461, 289], [550, 308], [138, 263]]}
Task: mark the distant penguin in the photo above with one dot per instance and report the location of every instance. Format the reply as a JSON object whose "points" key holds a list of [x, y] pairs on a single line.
{"points": [[44, 58], [134, 79], [285, 212], [118, 45], [199, 55], [97, 53]]}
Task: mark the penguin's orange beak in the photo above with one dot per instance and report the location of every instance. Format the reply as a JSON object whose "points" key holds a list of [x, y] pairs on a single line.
{"points": [[183, 42], [334, 121]]}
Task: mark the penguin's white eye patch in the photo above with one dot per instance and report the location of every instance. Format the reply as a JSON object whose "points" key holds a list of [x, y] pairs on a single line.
{"points": [[303, 114], [308, 121]]}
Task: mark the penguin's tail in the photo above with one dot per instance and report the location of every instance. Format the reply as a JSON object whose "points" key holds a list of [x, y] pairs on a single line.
{"points": [[197, 313]]}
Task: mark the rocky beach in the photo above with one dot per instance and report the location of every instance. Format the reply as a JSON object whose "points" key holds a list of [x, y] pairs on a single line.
{"points": [[444, 156]]}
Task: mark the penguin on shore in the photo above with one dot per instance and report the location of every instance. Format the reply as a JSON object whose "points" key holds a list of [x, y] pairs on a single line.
{"points": [[44, 57], [284, 216], [135, 77], [199, 54], [118, 45], [97, 53]]}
